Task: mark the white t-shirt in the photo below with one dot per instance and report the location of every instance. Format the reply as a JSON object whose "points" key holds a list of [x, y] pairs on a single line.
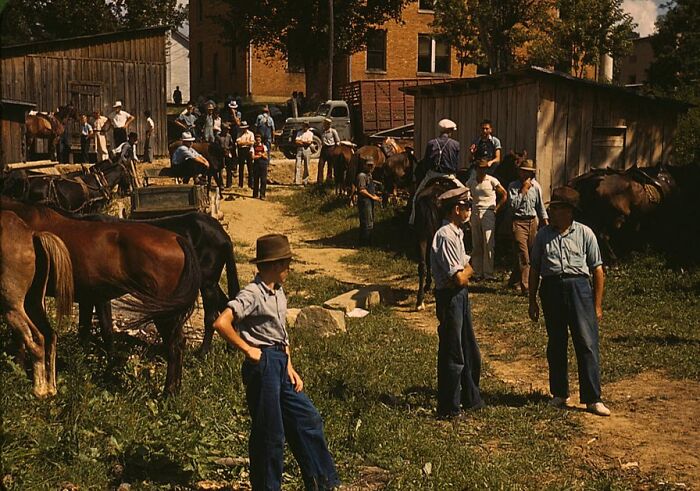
{"points": [[484, 192], [119, 119]]}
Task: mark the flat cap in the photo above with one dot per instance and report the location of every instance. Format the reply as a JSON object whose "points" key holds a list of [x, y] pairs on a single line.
{"points": [[458, 196], [447, 124]]}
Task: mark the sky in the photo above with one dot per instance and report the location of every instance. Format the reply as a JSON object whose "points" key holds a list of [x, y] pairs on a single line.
{"points": [[644, 13]]}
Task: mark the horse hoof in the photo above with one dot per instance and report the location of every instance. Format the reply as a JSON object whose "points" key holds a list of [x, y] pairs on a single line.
{"points": [[420, 306]]}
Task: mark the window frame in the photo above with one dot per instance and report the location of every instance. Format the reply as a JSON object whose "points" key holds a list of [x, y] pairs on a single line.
{"points": [[424, 10], [433, 44], [383, 52]]}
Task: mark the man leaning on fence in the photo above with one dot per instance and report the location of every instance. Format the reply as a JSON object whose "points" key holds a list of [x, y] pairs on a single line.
{"points": [[442, 157]]}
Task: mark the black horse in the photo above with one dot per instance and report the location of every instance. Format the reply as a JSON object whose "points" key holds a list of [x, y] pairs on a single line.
{"points": [[427, 221], [77, 192], [213, 250]]}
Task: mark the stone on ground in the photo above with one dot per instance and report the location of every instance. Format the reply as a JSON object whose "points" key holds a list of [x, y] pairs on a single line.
{"points": [[363, 298], [325, 321], [292, 314]]}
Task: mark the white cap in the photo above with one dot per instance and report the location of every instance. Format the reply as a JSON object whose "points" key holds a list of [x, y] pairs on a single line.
{"points": [[447, 124], [187, 137], [117, 104], [233, 104]]}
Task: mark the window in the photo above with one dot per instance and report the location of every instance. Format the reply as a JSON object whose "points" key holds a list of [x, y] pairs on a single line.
{"points": [[428, 5], [339, 112], [433, 55], [200, 56], [376, 49]]}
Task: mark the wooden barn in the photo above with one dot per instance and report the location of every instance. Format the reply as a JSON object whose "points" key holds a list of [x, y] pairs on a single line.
{"points": [[12, 131], [568, 125], [93, 72]]}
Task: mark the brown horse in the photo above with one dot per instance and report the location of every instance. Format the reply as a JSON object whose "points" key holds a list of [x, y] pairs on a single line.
{"points": [[617, 204], [47, 125], [29, 260], [156, 267], [339, 159]]}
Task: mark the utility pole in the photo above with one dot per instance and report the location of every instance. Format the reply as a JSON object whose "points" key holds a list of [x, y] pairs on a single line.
{"points": [[330, 49]]}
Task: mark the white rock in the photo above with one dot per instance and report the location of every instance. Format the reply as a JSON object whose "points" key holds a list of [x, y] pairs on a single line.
{"points": [[325, 321]]}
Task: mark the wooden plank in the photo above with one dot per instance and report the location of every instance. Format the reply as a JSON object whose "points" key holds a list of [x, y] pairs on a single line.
{"points": [[561, 115], [584, 160], [545, 123], [573, 134]]}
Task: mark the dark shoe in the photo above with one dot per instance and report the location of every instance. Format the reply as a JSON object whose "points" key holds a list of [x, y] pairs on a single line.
{"points": [[449, 416], [479, 405]]}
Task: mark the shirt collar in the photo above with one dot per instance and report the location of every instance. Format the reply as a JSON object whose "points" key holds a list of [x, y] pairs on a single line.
{"points": [[266, 289], [454, 227]]}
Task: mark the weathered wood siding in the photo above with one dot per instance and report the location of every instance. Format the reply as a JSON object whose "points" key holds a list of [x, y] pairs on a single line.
{"points": [[127, 67], [511, 107]]}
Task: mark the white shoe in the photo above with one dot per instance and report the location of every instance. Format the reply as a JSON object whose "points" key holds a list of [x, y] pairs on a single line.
{"points": [[558, 401], [598, 408]]}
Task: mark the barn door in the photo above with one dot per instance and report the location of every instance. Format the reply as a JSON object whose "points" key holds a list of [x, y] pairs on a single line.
{"points": [[86, 97], [608, 147]]}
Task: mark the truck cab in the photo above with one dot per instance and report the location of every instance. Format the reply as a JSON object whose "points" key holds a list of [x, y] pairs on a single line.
{"points": [[337, 110]]}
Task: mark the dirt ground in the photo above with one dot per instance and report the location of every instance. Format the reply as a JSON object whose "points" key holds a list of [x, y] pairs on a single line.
{"points": [[655, 423], [655, 420]]}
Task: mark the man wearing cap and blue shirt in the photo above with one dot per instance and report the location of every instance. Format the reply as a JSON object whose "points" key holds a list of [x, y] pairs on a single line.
{"points": [[565, 255], [442, 154], [487, 146], [459, 360], [187, 162]]}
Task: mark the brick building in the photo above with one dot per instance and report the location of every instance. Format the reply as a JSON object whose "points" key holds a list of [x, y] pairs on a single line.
{"points": [[633, 68], [393, 51]]}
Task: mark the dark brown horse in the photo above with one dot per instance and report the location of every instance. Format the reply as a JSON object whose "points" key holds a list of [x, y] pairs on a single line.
{"points": [[49, 126], [617, 204], [339, 159], [157, 268], [427, 222], [30, 261]]}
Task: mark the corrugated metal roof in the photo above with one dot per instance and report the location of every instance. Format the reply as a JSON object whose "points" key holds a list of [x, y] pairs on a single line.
{"points": [[458, 85]]}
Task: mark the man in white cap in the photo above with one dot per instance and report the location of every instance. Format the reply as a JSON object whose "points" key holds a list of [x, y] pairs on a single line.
{"points": [[186, 162], [119, 121], [459, 360], [442, 155]]}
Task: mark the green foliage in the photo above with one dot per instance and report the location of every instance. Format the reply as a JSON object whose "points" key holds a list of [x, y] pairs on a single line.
{"points": [[42, 20], [454, 23], [591, 28]]}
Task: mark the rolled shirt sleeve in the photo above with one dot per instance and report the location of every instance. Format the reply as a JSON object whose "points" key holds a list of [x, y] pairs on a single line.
{"points": [[243, 305], [593, 257], [450, 258]]}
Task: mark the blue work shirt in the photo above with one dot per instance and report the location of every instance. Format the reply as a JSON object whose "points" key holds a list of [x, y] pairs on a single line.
{"points": [[183, 153], [443, 154], [486, 149], [526, 205], [576, 252], [447, 254], [265, 125], [188, 120], [260, 314]]}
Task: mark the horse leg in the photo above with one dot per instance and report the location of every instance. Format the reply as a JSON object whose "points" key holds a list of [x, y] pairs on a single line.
{"points": [[37, 313], [174, 340], [104, 317], [211, 300], [18, 319], [85, 320]]}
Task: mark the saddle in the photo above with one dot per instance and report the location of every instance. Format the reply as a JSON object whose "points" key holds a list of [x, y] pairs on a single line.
{"points": [[652, 185]]}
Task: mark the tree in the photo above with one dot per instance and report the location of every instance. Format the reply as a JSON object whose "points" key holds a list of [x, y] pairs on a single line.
{"points": [[44, 20], [298, 29], [676, 70], [591, 28], [455, 25], [505, 33]]}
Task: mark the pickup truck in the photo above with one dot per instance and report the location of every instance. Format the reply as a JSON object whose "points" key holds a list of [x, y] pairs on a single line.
{"points": [[338, 111]]}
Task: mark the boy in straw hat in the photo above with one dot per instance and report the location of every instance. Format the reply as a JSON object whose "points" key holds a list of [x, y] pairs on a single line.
{"points": [[459, 360], [565, 255], [526, 205], [254, 323]]}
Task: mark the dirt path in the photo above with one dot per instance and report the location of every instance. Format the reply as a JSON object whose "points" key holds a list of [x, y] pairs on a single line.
{"points": [[655, 423]]}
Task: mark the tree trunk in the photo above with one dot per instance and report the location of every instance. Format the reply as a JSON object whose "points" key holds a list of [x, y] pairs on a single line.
{"points": [[316, 75]]}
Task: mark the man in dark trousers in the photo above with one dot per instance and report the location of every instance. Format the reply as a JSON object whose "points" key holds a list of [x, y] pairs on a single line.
{"points": [[366, 197], [459, 359], [177, 95], [565, 255]]}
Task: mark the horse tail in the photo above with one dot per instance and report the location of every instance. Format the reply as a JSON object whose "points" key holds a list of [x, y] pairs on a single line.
{"points": [[232, 272], [178, 306], [61, 270]]}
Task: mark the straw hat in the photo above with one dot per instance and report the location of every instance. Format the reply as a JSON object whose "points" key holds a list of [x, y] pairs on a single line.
{"points": [[244, 125], [272, 247], [233, 105], [187, 137], [528, 164], [117, 104]]}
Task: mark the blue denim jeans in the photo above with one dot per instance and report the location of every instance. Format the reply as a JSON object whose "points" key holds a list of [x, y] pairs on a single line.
{"points": [[459, 359], [277, 411], [365, 208], [567, 304]]}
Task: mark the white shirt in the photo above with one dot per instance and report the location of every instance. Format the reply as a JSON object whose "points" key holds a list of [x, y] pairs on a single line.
{"points": [[305, 137], [484, 192], [119, 119], [150, 123], [247, 139]]}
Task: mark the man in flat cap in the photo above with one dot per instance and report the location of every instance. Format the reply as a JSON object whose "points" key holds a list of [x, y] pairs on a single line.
{"points": [[565, 255], [329, 140], [459, 360], [442, 155]]}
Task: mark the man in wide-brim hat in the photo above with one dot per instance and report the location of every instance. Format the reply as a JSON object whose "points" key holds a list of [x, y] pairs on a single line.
{"points": [[186, 162], [245, 144], [566, 255], [255, 323], [119, 120], [528, 211]]}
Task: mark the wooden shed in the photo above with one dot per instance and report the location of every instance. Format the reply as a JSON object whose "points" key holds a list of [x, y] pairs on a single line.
{"points": [[12, 131], [568, 125], [93, 72]]}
